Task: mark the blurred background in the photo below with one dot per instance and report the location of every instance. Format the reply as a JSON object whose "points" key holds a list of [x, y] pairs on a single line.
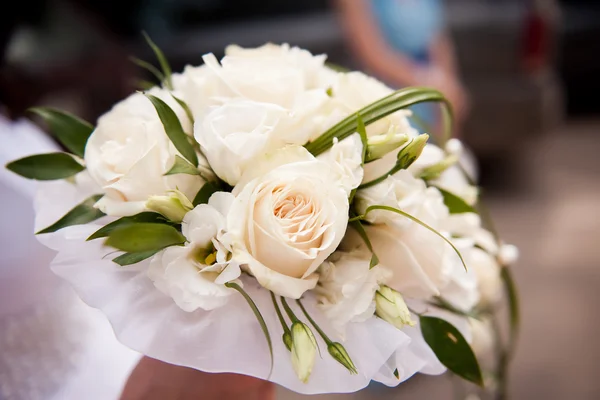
{"points": [[526, 72]]}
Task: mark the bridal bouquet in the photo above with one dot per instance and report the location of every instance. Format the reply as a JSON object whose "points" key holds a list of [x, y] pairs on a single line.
{"points": [[270, 215]]}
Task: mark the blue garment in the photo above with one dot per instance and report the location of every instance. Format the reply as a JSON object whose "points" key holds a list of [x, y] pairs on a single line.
{"points": [[410, 26]]}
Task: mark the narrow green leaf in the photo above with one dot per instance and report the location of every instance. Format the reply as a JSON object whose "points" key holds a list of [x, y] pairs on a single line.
{"points": [[513, 305], [356, 224], [362, 131], [418, 221], [173, 129], [398, 100], [143, 237], [73, 132], [455, 204], [162, 60], [439, 302], [396, 374], [145, 216], [81, 214], [185, 107], [451, 348], [258, 316], [181, 166], [148, 67], [46, 167], [204, 193], [134, 258]]}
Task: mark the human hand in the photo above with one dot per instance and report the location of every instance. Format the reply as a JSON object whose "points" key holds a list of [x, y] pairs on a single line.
{"points": [[450, 86], [156, 380]]}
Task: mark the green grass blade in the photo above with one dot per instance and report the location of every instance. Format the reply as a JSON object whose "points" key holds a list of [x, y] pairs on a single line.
{"points": [[418, 221], [259, 317]]}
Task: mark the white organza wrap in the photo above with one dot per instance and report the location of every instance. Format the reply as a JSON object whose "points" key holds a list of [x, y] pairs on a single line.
{"points": [[228, 339]]}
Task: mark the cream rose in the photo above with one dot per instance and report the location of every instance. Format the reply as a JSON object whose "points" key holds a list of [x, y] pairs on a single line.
{"points": [[129, 152], [289, 215], [194, 274]]}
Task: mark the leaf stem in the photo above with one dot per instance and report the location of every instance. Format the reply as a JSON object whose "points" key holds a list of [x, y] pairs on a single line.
{"points": [[288, 310], [259, 317], [284, 325], [314, 324]]}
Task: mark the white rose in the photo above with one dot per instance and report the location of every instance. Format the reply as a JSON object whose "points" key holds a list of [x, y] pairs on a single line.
{"points": [[347, 288], [289, 215], [415, 255], [233, 134], [129, 152], [194, 274], [271, 73], [345, 161]]}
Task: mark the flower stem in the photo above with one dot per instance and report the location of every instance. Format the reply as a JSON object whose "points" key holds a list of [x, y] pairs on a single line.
{"points": [[288, 310], [286, 329], [313, 323]]}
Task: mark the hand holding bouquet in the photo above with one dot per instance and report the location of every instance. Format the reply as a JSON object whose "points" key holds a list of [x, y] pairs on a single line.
{"points": [[270, 216]]}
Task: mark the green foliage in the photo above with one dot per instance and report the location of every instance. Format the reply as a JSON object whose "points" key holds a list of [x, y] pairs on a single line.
{"points": [[71, 131], [46, 167], [81, 214]]}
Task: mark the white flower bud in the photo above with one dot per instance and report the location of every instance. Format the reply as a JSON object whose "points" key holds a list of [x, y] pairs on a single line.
{"points": [[412, 151], [454, 147], [390, 307], [508, 254], [174, 206], [304, 350], [379, 145]]}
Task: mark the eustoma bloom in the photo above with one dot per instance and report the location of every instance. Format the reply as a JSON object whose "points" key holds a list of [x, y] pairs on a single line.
{"points": [[267, 206]]}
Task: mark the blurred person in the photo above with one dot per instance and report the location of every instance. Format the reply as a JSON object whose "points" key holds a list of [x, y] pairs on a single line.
{"points": [[403, 43]]}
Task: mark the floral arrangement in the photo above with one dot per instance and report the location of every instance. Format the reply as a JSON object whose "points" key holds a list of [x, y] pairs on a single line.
{"points": [[249, 214]]}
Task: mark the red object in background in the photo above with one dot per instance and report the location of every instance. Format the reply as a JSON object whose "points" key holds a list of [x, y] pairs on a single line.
{"points": [[536, 40]]}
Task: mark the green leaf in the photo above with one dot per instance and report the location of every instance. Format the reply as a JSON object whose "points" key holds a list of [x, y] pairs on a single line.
{"points": [[148, 67], [418, 221], [513, 304], [204, 193], [398, 100], [162, 60], [362, 131], [145, 216], [71, 131], [181, 166], [185, 107], [396, 374], [134, 258], [173, 129], [356, 224], [258, 316], [46, 167], [451, 348], [143, 237], [455, 204], [81, 214]]}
